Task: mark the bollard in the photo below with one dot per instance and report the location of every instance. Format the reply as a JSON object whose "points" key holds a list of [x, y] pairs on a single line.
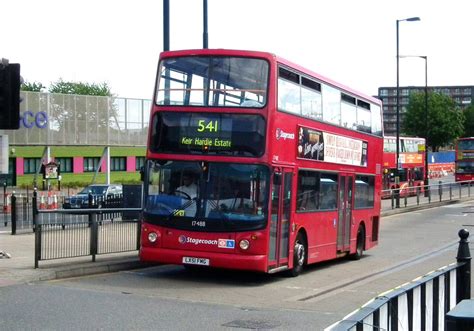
{"points": [[5, 194], [397, 196], [14, 218], [440, 190], [464, 275], [450, 192], [89, 205], [94, 235], [34, 205], [418, 189], [461, 317]]}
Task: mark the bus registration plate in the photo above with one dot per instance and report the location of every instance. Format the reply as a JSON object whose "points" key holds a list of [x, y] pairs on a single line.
{"points": [[195, 260]]}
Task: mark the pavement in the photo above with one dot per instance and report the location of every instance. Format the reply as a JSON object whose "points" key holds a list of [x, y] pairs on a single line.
{"points": [[19, 267]]}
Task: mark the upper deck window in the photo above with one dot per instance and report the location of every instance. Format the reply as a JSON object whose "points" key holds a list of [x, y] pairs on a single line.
{"points": [[209, 81], [303, 95]]}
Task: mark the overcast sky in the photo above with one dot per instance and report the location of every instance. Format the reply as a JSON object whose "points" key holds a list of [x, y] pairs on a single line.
{"points": [[350, 41]]}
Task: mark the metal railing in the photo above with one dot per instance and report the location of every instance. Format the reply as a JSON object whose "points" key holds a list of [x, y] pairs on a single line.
{"points": [[104, 228], [419, 305], [434, 193], [17, 213], [21, 213], [84, 232]]}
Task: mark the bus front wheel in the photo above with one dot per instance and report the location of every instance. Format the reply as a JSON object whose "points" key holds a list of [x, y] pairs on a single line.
{"points": [[299, 255]]}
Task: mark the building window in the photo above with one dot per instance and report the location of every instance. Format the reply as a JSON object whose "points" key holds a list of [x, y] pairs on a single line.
{"points": [[65, 164], [139, 163], [118, 163], [30, 165], [91, 164]]}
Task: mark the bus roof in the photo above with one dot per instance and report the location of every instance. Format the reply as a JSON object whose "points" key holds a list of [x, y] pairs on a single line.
{"points": [[268, 56]]}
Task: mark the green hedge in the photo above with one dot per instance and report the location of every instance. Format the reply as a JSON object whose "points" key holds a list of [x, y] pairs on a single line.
{"points": [[71, 151], [83, 179]]}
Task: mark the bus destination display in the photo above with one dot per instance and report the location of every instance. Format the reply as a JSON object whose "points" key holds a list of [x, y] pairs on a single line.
{"points": [[208, 133]]}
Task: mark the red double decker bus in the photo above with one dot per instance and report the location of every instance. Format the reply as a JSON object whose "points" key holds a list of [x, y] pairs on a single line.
{"points": [[255, 163], [412, 159], [464, 159]]}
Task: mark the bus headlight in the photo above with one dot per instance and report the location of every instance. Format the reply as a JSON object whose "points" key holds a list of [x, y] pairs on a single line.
{"points": [[152, 236], [244, 244]]}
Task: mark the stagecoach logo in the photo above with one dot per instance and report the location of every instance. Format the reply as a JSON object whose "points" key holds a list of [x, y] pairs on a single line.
{"points": [[188, 240], [285, 135]]}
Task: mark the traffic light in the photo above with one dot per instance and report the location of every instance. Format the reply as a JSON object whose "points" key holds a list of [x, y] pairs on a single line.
{"points": [[10, 82]]}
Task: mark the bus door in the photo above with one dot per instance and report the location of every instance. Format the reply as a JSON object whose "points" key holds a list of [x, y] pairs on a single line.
{"points": [[346, 185], [280, 218]]}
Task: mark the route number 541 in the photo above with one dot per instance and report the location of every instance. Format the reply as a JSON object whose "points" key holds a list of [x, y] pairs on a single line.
{"points": [[210, 126]]}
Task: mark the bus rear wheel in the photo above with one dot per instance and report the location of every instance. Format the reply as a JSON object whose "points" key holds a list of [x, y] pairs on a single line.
{"points": [[360, 244], [299, 256]]}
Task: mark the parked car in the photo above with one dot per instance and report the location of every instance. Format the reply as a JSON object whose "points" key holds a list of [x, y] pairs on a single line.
{"points": [[101, 193]]}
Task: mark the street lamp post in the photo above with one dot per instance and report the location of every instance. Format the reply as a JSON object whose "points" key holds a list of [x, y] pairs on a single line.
{"points": [[397, 178], [426, 177], [427, 181], [205, 35]]}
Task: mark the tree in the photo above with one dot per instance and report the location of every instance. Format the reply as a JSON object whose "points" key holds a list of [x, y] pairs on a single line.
{"points": [[80, 88], [445, 120], [469, 122], [32, 87]]}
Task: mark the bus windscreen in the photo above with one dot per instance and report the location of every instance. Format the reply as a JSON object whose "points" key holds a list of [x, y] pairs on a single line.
{"points": [[208, 133], [207, 196], [209, 81]]}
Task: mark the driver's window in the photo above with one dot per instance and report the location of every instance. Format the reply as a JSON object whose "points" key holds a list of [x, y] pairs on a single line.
{"points": [[187, 186]]}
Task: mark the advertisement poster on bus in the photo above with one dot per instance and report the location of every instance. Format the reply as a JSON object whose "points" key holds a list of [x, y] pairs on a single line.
{"points": [[328, 147]]}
